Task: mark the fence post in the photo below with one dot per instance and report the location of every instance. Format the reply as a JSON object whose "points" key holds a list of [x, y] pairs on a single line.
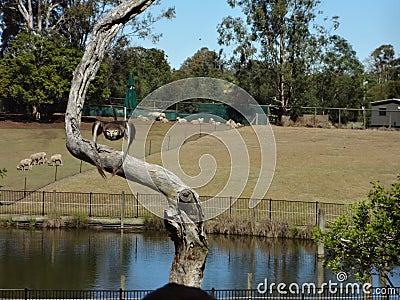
{"points": [[137, 204], [249, 285], [316, 213], [123, 286], [270, 209], [54, 201], [90, 204], [25, 187], [254, 220], [230, 207], [149, 147], [364, 118], [315, 117], [212, 292], [26, 293], [43, 203], [122, 209]]}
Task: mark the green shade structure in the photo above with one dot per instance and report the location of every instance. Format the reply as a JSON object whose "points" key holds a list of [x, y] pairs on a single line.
{"points": [[131, 100]]}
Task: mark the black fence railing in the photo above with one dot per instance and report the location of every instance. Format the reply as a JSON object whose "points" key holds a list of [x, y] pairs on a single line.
{"points": [[42, 203], [310, 292]]}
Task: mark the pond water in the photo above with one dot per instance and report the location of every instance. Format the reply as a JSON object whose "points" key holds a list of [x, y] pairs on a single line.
{"points": [[85, 259]]}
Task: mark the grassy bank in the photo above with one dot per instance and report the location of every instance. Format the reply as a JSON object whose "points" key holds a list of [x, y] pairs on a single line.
{"points": [[237, 226], [228, 227]]}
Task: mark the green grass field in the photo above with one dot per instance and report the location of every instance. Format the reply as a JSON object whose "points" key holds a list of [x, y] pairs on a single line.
{"points": [[331, 165]]}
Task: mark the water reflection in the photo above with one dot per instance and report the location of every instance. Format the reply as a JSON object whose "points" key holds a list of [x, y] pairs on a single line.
{"points": [[80, 259], [232, 258]]}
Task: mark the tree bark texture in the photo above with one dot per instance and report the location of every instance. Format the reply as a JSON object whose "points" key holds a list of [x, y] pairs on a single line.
{"points": [[184, 217]]}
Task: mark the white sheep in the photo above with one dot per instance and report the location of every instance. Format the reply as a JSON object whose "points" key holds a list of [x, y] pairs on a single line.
{"points": [[181, 120], [27, 162], [157, 114], [231, 123], [213, 122], [197, 121], [38, 158], [153, 114], [43, 157], [163, 120], [142, 118], [54, 159]]}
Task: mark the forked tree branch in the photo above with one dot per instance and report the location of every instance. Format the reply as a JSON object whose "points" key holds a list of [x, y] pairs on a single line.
{"points": [[184, 217]]}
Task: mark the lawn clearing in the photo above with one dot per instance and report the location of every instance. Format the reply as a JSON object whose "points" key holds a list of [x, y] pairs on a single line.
{"points": [[312, 164], [17, 144], [330, 165]]}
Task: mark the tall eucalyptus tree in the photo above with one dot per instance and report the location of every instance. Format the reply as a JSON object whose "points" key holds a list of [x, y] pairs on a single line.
{"points": [[283, 35]]}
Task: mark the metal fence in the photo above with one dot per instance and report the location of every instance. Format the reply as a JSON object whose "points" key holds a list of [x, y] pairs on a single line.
{"points": [[44, 203], [350, 118], [302, 293]]}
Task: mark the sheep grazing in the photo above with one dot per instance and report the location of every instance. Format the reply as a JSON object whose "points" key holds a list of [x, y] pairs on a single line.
{"points": [[197, 121], [233, 124], [181, 120], [157, 115], [163, 120], [54, 159], [38, 158], [213, 122], [142, 118], [25, 163]]}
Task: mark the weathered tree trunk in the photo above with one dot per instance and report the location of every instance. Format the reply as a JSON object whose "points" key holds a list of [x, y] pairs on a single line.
{"points": [[184, 217]]}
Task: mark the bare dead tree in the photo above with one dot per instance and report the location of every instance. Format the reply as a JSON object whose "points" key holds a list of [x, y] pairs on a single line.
{"points": [[183, 217]]}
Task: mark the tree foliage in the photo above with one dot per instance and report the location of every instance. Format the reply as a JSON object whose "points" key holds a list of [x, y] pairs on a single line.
{"points": [[280, 56], [36, 71], [280, 32], [338, 79], [149, 67], [366, 241], [42, 42], [72, 19], [383, 73], [204, 63]]}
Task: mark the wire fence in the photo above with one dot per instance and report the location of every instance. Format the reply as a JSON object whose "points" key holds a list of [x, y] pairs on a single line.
{"points": [[43, 203], [309, 292], [387, 116]]}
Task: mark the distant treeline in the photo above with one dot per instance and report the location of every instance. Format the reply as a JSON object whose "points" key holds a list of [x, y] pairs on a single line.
{"points": [[277, 58]]}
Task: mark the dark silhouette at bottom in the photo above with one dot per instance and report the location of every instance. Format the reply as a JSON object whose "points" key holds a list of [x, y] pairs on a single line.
{"points": [[178, 292]]}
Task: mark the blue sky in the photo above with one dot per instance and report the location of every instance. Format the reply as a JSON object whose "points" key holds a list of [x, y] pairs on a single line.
{"points": [[365, 24]]}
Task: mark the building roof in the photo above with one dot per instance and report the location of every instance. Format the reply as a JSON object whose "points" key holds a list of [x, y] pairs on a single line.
{"points": [[386, 101]]}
